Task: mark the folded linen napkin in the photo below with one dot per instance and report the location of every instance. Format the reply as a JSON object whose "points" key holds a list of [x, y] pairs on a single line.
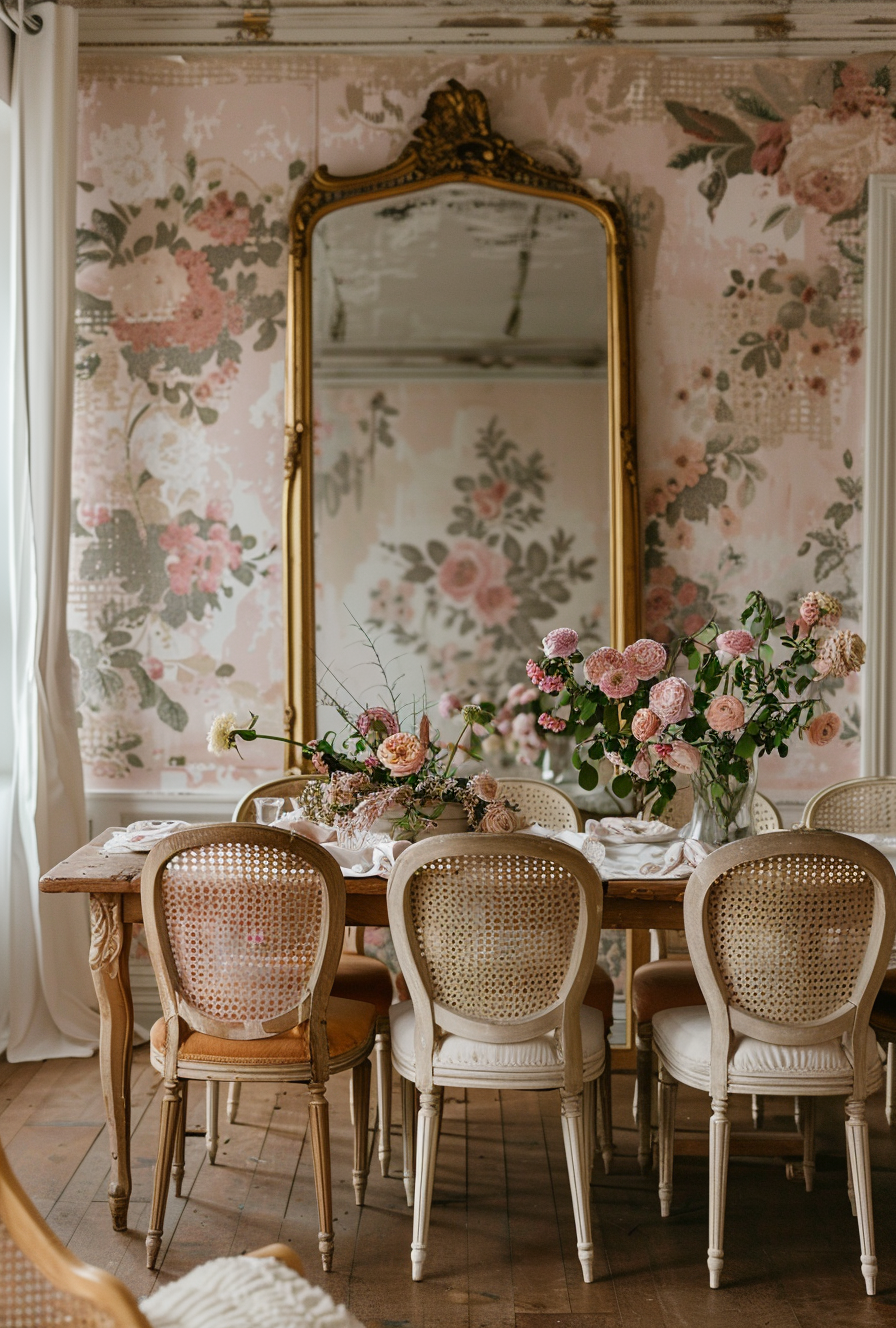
{"points": [[374, 858], [683, 853], [586, 843], [141, 836], [630, 830]]}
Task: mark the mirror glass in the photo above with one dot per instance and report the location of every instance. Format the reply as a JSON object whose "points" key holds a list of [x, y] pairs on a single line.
{"points": [[461, 467]]}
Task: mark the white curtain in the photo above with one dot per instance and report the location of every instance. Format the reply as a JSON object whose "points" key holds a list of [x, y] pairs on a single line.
{"points": [[50, 1003]]}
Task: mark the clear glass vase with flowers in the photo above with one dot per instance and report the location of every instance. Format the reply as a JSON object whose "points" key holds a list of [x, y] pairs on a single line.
{"points": [[747, 699]]}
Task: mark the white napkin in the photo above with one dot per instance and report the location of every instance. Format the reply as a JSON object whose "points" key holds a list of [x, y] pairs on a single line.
{"points": [[141, 836], [586, 843], [375, 858], [683, 853], [630, 830]]}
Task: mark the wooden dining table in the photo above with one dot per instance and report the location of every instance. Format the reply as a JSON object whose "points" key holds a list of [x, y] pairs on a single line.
{"points": [[112, 883]]}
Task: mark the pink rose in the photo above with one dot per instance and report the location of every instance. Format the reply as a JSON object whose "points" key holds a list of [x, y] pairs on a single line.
{"points": [[671, 700], [470, 567], [735, 642], [823, 729], [601, 662], [645, 725], [683, 757], [618, 683], [377, 717], [93, 515], [488, 502], [450, 704], [402, 754], [641, 765], [645, 658], [520, 694], [771, 148], [154, 667], [560, 643], [725, 714], [495, 604], [319, 763]]}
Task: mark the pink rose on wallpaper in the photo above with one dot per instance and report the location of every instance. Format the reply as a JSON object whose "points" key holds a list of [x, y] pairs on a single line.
{"points": [[154, 667], [855, 95], [832, 154], [92, 515], [218, 510], [659, 603], [199, 559], [198, 320], [488, 502], [469, 567], [693, 623], [495, 605], [687, 593], [771, 148], [688, 463], [227, 222]]}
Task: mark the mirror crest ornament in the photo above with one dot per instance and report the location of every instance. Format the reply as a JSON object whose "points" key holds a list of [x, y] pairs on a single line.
{"points": [[454, 143]]}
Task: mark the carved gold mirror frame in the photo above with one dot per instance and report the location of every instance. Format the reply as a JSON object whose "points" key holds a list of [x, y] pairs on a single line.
{"points": [[455, 143]]}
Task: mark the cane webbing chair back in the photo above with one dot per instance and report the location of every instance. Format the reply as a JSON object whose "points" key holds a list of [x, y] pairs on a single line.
{"points": [[790, 935], [496, 935], [42, 1284], [285, 786], [244, 926], [864, 806], [542, 803]]}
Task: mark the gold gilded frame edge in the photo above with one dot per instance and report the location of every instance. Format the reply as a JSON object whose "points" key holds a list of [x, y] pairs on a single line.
{"points": [[454, 143]]}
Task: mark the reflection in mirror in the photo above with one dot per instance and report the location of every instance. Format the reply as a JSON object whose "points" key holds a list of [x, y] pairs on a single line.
{"points": [[462, 496]]}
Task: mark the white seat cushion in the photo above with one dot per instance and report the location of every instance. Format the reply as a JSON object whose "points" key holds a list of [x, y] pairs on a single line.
{"points": [[682, 1038], [245, 1293], [533, 1063]]}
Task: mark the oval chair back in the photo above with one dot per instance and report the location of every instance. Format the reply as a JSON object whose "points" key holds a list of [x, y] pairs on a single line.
{"points": [[289, 785], [865, 806], [545, 803]]}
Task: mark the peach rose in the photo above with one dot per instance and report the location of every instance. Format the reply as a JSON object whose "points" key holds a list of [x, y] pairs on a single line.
{"points": [[683, 757], [498, 819], [646, 725], [725, 714], [671, 700], [402, 754], [823, 729]]}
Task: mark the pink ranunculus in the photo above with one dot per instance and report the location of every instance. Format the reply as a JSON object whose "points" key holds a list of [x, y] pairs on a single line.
{"points": [[735, 642], [645, 658], [402, 754], [683, 757], [552, 722], [154, 667], [724, 714], [601, 661], [469, 567], [823, 729], [618, 683], [771, 148], [641, 764], [450, 704], [560, 643], [377, 717], [495, 604], [646, 725], [671, 700]]}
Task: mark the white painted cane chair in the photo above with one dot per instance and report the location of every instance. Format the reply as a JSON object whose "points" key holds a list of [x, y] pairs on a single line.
{"points": [[44, 1285], [244, 925], [497, 937], [553, 808], [865, 806], [790, 935], [359, 977]]}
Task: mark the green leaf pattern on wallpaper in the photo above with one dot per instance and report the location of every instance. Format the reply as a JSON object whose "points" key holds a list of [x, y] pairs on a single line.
{"points": [[146, 563]]}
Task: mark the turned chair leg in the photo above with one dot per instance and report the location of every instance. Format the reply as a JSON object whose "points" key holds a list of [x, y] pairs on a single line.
{"points": [[319, 1116], [807, 1116], [757, 1107], [408, 1136], [211, 1119], [719, 1144], [644, 1075], [850, 1187], [604, 1119], [860, 1157], [571, 1106], [668, 1094], [427, 1146], [383, 1055], [361, 1094], [180, 1139], [589, 1124], [168, 1126], [233, 1101]]}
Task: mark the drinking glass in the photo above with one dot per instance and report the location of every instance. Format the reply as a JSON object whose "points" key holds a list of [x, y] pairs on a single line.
{"points": [[267, 810]]}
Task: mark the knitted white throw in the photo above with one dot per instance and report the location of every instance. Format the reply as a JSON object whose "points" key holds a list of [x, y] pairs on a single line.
{"points": [[244, 1293]]}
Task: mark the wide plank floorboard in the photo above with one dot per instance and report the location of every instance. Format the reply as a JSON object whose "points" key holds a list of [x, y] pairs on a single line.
{"points": [[502, 1245]]}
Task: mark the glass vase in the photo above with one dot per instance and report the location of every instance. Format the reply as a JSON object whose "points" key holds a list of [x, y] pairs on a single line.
{"points": [[723, 805]]}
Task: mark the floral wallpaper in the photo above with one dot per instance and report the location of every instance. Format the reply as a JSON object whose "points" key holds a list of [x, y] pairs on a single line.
{"points": [[745, 186]]}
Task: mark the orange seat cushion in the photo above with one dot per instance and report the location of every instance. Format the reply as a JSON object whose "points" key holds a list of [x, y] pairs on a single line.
{"points": [[362, 978], [664, 984], [600, 995], [351, 1025]]}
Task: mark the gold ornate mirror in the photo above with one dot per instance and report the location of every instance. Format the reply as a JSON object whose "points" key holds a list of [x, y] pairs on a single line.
{"points": [[460, 459]]}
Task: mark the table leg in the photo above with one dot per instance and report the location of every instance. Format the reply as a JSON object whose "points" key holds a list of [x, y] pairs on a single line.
{"points": [[110, 944]]}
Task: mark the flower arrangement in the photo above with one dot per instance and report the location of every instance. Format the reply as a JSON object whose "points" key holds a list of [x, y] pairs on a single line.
{"points": [[379, 773], [630, 706]]}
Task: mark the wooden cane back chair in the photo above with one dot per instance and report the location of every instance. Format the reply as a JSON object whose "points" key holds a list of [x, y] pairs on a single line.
{"points": [[497, 937], [790, 935], [360, 977], [545, 803], [680, 808], [244, 926]]}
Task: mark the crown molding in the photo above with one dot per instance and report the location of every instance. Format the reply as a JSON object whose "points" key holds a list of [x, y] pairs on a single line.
{"points": [[723, 28]]}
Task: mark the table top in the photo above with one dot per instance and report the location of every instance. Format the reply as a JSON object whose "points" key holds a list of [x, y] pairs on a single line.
{"points": [[88, 871]]}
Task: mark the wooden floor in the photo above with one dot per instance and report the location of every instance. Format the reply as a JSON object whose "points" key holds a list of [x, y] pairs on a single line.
{"points": [[502, 1245]]}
